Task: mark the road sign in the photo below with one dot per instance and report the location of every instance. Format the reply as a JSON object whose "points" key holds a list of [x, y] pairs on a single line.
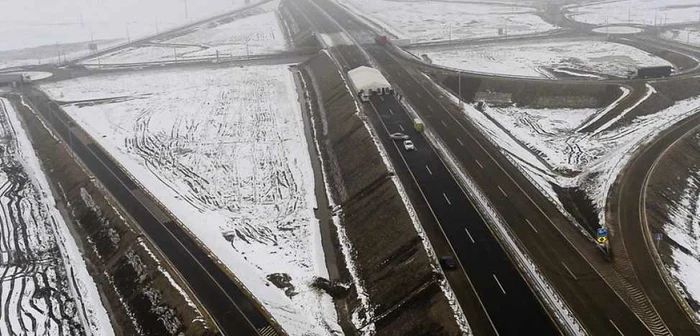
{"points": [[602, 232], [602, 240]]}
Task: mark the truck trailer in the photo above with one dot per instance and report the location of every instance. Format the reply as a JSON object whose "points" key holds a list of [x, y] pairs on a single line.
{"points": [[653, 72], [369, 82], [13, 78]]}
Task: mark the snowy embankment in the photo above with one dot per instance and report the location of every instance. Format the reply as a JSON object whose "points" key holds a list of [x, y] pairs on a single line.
{"points": [[225, 151], [424, 21], [688, 35], [255, 33], [540, 59], [46, 288], [37, 23], [684, 229], [591, 161], [645, 12]]}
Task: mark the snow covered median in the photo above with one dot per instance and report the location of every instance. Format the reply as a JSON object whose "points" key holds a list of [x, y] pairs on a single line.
{"points": [[651, 13], [424, 21], [585, 58], [225, 151], [255, 31]]}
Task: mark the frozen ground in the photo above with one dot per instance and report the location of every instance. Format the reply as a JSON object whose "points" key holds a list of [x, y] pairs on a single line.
{"points": [[689, 35], [579, 58], [225, 151], [684, 230], [259, 33], [44, 285], [33, 23], [646, 12], [423, 21]]}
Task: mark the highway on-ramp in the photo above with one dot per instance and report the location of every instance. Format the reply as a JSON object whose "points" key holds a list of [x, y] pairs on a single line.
{"points": [[631, 221]]}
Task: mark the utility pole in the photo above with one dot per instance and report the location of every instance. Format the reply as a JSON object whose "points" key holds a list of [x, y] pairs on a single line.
{"points": [[459, 88], [187, 15]]}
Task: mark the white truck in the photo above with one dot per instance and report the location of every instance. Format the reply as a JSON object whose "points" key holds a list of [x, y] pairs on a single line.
{"points": [[14, 78], [369, 82]]}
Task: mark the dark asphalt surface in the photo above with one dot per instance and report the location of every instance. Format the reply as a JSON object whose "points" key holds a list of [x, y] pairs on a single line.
{"points": [[535, 221], [508, 300], [234, 312], [635, 233]]}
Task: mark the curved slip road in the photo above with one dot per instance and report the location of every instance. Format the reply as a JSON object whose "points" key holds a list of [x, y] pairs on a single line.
{"points": [[631, 222]]}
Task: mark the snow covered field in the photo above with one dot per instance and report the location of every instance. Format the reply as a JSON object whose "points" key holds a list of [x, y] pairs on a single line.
{"points": [[45, 288], [33, 23], [545, 144], [646, 12], [225, 151], [259, 33], [581, 58], [423, 21], [689, 35], [684, 229]]}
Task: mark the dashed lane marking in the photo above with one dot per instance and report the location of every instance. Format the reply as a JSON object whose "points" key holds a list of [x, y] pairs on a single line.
{"points": [[570, 272], [446, 199], [499, 283], [478, 164], [531, 226], [460, 142], [502, 192], [470, 236], [429, 171], [616, 328]]}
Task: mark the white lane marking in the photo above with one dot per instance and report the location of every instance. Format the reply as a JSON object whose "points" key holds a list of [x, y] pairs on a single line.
{"points": [[443, 123], [429, 172], [418, 95], [531, 226], [479, 164], [390, 111], [502, 192], [470, 236], [446, 199], [401, 127], [382, 98], [499, 283], [460, 142], [430, 107], [616, 328], [570, 272]]}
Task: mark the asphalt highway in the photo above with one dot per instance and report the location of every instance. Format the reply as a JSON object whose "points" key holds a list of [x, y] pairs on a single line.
{"points": [[634, 229], [506, 297], [546, 234], [232, 309]]}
